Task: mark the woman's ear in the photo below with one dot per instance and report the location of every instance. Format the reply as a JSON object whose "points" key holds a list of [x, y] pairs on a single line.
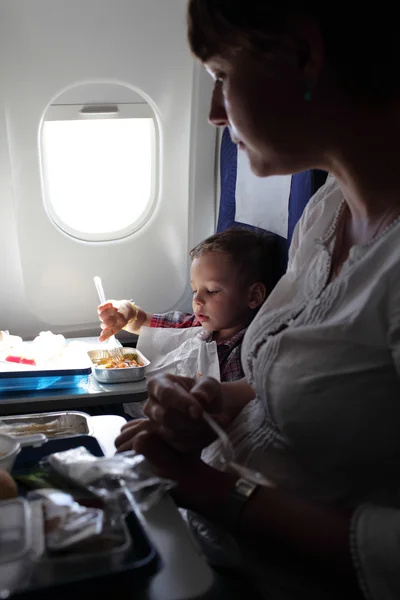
{"points": [[310, 47], [257, 295]]}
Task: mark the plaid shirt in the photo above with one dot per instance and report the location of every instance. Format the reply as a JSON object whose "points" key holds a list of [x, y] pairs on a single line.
{"points": [[228, 350]]}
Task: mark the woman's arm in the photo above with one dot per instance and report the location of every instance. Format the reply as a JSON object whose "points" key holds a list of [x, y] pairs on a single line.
{"points": [[319, 532]]}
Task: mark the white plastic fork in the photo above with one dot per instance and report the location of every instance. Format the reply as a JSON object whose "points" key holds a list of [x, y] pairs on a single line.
{"points": [[228, 454], [113, 347]]}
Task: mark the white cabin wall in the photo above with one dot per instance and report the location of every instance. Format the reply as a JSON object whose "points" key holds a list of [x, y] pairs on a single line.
{"points": [[46, 46]]}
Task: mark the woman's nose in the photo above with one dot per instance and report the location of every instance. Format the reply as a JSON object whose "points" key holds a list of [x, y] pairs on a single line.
{"points": [[217, 115]]}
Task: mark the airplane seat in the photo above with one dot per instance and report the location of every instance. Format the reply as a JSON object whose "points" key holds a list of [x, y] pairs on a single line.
{"points": [[301, 188]]}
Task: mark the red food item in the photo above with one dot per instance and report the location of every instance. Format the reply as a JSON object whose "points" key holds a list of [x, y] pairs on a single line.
{"points": [[16, 359], [28, 361], [21, 360]]}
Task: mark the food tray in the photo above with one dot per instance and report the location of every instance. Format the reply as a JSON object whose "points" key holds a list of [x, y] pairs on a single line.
{"points": [[67, 567], [121, 581], [51, 424], [32, 379], [119, 375], [124, 577]]}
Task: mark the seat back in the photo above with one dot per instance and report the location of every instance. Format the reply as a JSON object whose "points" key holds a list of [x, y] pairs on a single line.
{"points": [[292, 197]]}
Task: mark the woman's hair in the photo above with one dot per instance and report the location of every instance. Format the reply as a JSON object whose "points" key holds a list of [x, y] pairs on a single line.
{"points": [[361, 45], [255, 254]]}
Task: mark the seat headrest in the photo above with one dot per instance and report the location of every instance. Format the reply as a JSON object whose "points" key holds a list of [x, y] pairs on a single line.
{"points": [[273, 204]]}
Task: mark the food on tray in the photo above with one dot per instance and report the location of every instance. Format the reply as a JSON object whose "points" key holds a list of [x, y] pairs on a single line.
{"points": [[56, 424], [8, 487], [39, 477], [9, 340], [49, 429], [46, 351], [66, 522], [129, 360], [21, 359]]}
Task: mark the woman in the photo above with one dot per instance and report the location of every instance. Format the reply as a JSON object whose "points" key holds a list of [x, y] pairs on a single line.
{"points": [[301, 89]]}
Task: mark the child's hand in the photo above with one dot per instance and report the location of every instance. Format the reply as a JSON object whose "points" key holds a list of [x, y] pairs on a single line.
{"points": [[114, 315]]}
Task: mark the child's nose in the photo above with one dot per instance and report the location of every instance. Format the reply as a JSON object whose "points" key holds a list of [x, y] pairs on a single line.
{"points": [[198, 299]]}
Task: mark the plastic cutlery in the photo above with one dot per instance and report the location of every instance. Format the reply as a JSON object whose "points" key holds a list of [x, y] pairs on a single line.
{"points": [[113, 346]]}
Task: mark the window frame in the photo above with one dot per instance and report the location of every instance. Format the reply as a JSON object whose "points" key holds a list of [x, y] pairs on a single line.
{"points": [[92, 111]]}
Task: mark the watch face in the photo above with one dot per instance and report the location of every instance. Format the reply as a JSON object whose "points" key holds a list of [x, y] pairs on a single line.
{"points": [[244, 488], [239, 495]]}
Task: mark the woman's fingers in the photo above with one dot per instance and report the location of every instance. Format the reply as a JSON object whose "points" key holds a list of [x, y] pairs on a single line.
{"points": [[207, 391], [127, 436], [173, 393], [132, 423], [168, 417], [175, 405], [165, 460], [152, 447]]}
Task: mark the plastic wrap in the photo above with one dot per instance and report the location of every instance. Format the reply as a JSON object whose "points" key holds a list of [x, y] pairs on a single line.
{"points": [[67, 523], [127, 472]]}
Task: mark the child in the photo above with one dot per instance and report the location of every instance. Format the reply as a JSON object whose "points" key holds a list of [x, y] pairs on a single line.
{"points": [[231, 274]]}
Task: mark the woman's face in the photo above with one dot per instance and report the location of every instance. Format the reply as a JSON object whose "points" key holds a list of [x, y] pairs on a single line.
{"points": [[262, 102]]}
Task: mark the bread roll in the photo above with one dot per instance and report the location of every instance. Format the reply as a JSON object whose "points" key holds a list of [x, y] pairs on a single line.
{"points": [[8, 487]]}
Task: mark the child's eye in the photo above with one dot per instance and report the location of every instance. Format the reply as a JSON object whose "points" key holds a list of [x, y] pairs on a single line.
{"points": [[194, 291], [212, 292]]}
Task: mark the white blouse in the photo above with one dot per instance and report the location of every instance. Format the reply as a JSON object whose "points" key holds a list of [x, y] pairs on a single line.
{"points": [[324, 360]]}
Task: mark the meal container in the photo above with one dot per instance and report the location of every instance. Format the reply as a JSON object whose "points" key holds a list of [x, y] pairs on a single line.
{"points": [[52, 424], [69, 566], [128, 374], [15, 544], [123, 579], [129, 565], [29, 457], [10, 447]]}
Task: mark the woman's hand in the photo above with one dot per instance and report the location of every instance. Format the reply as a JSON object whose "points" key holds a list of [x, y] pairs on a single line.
{"points": [[184, 470], [175, 406], [115, 314], [198, 486], [174, 409], [129, 431]]}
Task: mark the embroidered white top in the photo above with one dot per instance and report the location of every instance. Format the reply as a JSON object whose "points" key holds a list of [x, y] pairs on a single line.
{"points": [[324, 360]]}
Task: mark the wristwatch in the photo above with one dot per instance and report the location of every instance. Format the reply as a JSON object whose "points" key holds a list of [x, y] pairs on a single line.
{"points": [[239, 495]]}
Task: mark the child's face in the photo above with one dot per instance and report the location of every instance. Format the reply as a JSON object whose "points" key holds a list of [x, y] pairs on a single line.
{"points": [[220, 300]]}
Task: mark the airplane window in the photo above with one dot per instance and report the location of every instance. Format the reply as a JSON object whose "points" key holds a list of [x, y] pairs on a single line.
{"points": [[99, 168]]}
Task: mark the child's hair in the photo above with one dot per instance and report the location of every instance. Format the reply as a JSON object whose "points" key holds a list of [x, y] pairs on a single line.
{"points": [[256, 254]]}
